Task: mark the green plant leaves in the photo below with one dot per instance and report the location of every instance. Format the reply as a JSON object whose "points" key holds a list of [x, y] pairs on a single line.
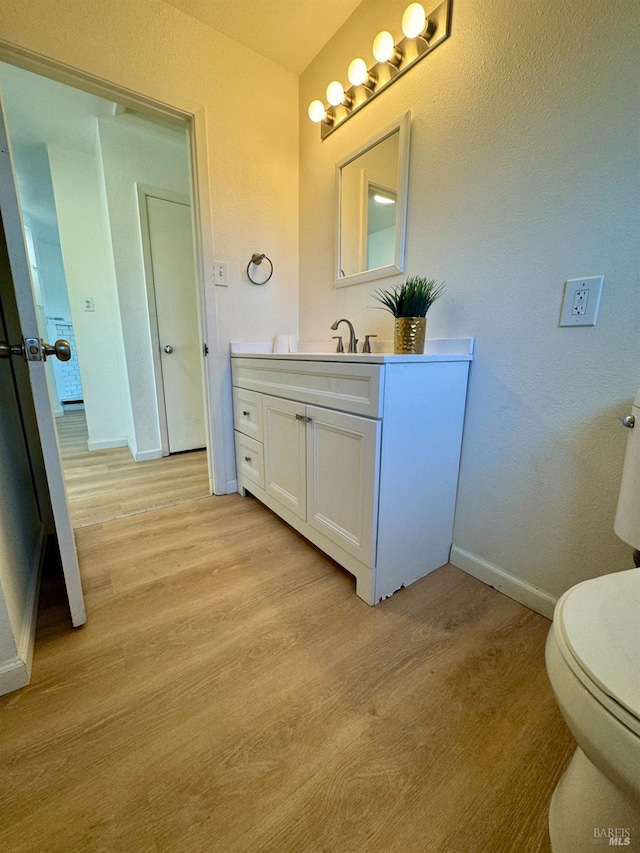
{"points": [[412, 298]]}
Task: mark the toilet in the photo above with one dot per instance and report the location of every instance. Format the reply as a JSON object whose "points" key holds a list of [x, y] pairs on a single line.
{"points": [[593, 662]]}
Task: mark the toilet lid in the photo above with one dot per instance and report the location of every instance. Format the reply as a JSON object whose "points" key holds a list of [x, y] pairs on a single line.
{"points": [[600, 623]]}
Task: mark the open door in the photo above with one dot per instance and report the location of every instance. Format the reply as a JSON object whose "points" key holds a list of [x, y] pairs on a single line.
{"points": [[35, 354]]}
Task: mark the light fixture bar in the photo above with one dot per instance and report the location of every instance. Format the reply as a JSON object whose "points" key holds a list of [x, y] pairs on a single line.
{"points": [[407, 52]]}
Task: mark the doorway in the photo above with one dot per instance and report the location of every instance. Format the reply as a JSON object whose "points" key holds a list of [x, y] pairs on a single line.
{"points": [[90, 154]]}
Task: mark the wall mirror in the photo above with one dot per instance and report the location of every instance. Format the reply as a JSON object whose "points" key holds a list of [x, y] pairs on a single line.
{"points": [[372, 207]]}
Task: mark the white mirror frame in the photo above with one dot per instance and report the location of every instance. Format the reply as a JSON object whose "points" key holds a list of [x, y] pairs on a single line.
{"points": [[402, 125]]}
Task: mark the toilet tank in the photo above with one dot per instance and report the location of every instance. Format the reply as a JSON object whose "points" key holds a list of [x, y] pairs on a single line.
{"points": [[627, 523]]}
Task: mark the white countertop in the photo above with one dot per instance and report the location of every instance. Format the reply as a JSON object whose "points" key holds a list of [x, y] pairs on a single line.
{"points": [[441, 349]]}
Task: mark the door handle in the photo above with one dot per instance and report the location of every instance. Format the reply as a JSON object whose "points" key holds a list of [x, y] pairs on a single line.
{"points": [[168, 349], [61, 349], [33, 349], [7, 350], [303, 418]]}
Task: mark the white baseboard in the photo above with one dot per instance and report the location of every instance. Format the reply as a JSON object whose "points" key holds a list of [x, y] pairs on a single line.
{"points": [[143, 455], [522, 591], [107, 445], [16, 672], [232, 486], [146, 455]]}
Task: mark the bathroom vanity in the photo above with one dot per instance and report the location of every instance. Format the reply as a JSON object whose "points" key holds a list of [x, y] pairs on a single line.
{"points": [[359, 453]]}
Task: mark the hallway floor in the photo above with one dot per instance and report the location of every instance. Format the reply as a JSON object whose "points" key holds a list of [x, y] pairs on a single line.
{"points": [[231, 694], [106, 484]]}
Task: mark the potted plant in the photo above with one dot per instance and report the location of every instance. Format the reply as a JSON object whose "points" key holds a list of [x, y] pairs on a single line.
{"points": [[409, 303]]}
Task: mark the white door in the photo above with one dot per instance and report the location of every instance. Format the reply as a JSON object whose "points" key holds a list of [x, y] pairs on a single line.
{"points": [[284, 453], [174, 281], [343, 454], [14, 232]]}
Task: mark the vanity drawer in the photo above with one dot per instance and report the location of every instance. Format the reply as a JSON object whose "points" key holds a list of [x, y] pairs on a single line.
{"points": [[250, 458], [247, 412], [348, 387]]}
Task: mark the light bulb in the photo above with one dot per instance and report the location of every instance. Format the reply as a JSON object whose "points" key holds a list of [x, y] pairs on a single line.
{"points": [[316, 111], [335, 93], [414, 20], [358, 72], [383, 199], [383, 46]]}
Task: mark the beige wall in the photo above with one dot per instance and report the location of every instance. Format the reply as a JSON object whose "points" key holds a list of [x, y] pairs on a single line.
{"points": [[251, 124], [524, 172]]}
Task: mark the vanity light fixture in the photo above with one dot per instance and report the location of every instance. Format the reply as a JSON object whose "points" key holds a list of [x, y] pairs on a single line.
{"points": [[422, 33], [317, 111], [359, 74], [415, 23], [336, 95], [385, 50]]}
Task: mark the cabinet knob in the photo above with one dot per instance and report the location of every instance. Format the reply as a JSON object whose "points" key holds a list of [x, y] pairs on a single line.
{"points": [[303, 418], [246, 415], [247, 459]]}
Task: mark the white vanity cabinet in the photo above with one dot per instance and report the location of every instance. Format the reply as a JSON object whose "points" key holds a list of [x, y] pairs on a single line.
{"points": [[322, 465], [358, 453]]}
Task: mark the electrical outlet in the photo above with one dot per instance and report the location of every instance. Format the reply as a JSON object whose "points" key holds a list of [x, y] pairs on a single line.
{"points": [[88, 303], [220, 274], [581, 301]]}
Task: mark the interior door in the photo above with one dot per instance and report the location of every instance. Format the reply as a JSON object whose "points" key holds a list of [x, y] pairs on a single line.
{"points": [[174, 281], [27, 312]]}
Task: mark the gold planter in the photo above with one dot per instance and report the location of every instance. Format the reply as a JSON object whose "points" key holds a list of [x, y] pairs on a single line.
{"points": [[409, 335]]}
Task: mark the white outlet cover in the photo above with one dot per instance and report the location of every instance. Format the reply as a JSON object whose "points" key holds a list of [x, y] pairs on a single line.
{"points": [[581, 301]]}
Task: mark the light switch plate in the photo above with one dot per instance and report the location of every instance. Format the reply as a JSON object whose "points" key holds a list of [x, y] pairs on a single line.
{"points": [[581, 301], [220, 274]]}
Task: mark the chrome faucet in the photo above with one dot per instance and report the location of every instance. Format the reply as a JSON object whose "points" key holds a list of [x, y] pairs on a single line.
{"points": [[353, 341]]}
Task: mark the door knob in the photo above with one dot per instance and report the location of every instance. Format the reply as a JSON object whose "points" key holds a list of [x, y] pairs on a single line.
{"points": [[168, 349], [7, 350], [32, 349], [628, 421], [61, 349]]}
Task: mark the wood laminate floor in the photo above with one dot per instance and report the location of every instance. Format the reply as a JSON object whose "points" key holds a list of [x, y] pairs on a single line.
{"points": [[231, 693], [106, 484]]}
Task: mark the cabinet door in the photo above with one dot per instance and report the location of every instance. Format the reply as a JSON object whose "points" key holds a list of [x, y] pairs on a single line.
{"points": [[284, 453], [343, 453]]}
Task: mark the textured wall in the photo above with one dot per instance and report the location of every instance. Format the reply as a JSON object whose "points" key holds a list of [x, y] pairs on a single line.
{"points": [[524, 172], [252, 133]]}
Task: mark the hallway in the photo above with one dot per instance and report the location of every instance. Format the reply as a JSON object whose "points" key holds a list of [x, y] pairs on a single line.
{"points": [[107, 484]]}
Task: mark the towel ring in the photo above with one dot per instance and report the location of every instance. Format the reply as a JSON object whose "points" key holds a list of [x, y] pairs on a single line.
{"points": [[255, 261]]}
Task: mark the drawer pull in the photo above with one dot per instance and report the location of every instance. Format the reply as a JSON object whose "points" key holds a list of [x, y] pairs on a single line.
{"points": [[304, 418], [246, 414], [247, 459]]}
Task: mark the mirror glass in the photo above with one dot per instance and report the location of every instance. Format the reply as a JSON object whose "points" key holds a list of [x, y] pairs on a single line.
{"points": [[372, 193]]}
